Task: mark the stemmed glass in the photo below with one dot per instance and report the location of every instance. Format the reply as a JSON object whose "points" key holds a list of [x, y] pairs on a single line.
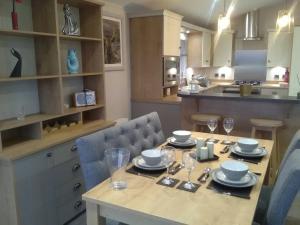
{"points": [[189, 164], [212, 125], [168, 157], [228, 124]]}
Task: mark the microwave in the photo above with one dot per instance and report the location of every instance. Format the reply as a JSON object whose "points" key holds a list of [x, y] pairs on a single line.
{"points": [[171, 67]]}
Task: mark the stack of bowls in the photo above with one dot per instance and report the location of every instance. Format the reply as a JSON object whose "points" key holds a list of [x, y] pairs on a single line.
{"points": [[234, 170], [182, 135], [152, 157], [247, 144]]}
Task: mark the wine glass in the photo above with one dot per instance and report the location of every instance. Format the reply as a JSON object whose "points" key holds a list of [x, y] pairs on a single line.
{"points": [[212, 125], [189, 164], [168, 157], [228, 124]]}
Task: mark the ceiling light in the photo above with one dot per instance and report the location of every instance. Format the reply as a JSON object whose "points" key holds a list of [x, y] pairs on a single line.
{"points": [[224, 19], [182, 36], [187, 32], [284, 19]]}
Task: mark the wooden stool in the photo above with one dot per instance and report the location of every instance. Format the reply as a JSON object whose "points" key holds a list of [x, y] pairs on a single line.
{"points": [[202, 119], [269, 126]]}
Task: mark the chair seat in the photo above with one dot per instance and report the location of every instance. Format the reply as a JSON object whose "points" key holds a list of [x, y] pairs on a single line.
{"points": [[266, 123], [263, 203], [205, 117]]}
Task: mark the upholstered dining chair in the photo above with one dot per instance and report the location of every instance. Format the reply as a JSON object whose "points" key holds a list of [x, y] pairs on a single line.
{"points": [[284, 192]]}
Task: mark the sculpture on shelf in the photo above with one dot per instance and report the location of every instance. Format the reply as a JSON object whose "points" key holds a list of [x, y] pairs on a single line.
{"points": [[70, 26], [14, 15], [72, 61], [17, 71]]}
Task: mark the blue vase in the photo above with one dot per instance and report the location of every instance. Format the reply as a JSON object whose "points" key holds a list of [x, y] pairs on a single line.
{"points": [[72, 61]]}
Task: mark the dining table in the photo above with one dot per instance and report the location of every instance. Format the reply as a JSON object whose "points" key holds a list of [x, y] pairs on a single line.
{"points": [[144, 202]]}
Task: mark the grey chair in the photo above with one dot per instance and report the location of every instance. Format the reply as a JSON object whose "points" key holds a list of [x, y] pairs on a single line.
{"points": [[284, 192], [266, 191]]}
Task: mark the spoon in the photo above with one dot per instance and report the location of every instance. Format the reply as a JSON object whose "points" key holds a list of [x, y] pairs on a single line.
{"points": [[204, 175]]}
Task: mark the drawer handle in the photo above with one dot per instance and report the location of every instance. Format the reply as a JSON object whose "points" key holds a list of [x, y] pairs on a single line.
{"points": [[74, 148], [76, 187], [49, 154], [77, 204], [75, 167]]}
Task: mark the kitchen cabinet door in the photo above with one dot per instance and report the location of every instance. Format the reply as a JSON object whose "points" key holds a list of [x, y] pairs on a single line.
{"points": [[223, 45], [171, 44], [194, 50], [279, 49], [206, 49]]}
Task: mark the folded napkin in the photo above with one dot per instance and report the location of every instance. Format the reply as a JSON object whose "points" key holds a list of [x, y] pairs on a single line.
{"points": [[150, 173], [231, 191], [255, 160]]}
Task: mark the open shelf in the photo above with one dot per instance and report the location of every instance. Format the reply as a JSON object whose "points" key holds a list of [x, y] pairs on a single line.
{"points": [[92, 115], [9, 79], [79, 38], [80, 75], [73, 110], [24, 33]]}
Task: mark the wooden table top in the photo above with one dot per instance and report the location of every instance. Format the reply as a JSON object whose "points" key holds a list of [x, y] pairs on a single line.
{"points": [[205, 207]]}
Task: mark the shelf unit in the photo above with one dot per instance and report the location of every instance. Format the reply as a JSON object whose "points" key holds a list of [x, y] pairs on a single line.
{"points": [[51, 81]]}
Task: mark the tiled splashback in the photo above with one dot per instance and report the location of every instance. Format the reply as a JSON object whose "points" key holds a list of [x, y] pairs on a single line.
{"points": [[211, 72], [275, 74]]}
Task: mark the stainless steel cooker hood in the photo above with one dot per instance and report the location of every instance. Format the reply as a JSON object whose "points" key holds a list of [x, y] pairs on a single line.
{"points": [[251, 26]]}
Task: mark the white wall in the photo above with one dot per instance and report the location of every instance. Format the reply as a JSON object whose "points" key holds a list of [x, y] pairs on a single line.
{"points": [[117, 83]]}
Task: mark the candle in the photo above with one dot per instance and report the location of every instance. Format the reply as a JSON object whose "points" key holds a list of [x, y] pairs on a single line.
{"points": [[200, 144], [204, 153], [210, 147]]}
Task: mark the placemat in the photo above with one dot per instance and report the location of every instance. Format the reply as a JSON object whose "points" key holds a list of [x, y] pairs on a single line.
{"points": [[215, 140], [245, 159], [231, 191], [181, 147], [173, 184], [193, 190], [228, 143], [145, 173]]}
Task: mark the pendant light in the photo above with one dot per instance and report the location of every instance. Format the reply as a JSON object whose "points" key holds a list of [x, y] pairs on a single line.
{"points": [[283, 18], [223, 20]]}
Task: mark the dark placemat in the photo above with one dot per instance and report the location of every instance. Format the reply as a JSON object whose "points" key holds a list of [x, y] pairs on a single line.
{"points": [[215, 140], [228, 143], [145, 173], [237, 192], [245, 159], [181, 187], [181, 147], [193, 155], [173, 184]]}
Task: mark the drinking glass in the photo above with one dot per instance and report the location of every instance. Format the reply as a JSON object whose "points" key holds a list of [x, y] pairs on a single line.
{"points": [[189, 164], [21, 113], [228, 124], [212, 125], [168, 157], [117, 160]]}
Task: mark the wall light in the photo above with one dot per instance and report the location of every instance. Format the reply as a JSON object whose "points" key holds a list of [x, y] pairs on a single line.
{"points": [[182, 36], [283, 19]]}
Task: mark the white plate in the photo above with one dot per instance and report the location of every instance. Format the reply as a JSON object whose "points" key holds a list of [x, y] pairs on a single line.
{"points": [[140, 163], [248, 154], [222, 177], [252, 181], [256, 151], [189, 142]]}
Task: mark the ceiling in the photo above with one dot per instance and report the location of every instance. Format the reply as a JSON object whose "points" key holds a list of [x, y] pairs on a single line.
{"points": [[200, 12]]}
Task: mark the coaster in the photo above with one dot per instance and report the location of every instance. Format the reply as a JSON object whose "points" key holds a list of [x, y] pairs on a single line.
{"points": [[231, 191], [141, 172], [176, 170], [181, 187], [245, 159], [215, 141], [224, 142], [193, 155], [173, 184]]}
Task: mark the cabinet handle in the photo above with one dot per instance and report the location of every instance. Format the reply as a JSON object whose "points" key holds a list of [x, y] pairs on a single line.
{"points": [[269, 60], [77, 204], [49, 154], [206, 60], [75, 167], [76, 187], [74, 148]]}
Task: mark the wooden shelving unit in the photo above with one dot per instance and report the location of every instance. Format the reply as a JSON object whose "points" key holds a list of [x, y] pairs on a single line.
{"points": [[55, 87]]}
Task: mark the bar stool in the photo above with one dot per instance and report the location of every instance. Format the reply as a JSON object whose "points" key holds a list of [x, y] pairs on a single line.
{"points": [[202, 119], [266, 125]]}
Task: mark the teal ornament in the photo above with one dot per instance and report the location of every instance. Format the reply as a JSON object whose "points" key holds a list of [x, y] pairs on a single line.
{"points": [[72, 61]]}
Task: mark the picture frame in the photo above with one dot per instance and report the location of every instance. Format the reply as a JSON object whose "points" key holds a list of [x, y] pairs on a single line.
{"points": [[113, 43]]}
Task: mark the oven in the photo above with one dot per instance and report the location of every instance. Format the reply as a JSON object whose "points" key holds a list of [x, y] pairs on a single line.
{"points": [[171, 69]]}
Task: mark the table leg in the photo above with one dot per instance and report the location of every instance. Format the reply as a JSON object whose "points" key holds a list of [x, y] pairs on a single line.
{"points": [[92, 215]]}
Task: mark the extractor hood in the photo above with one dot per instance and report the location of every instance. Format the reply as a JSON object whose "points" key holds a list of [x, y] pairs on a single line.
{"points": [[251, 26]]}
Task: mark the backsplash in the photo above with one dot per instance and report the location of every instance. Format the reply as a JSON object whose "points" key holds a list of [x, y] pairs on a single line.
{"points": [[224, 73]]}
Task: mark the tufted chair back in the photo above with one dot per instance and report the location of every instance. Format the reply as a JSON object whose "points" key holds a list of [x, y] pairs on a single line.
{"points": [[136, 135]]}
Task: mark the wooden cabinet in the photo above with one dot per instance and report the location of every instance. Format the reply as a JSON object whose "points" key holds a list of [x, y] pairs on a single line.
{"points": [[199, 49], [223, 49], [279, 49], [294, 85], [172, 26]]}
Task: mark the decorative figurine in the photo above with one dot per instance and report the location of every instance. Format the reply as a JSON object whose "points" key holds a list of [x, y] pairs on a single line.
{"points": [[70, 27], [72, 61], [17, 71], [14, 15]]}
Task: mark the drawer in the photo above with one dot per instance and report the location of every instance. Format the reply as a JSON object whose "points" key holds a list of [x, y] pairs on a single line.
{"points": [[65, 152], [69, 191], [70, 209], [66, 172]]}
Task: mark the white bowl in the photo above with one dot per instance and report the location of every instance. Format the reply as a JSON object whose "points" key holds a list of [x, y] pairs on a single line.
{"points": [[247, 144], [234, 170], [152, 156], [181, 135]]}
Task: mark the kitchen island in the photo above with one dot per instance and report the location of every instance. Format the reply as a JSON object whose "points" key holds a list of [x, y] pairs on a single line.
{"points": [[242, 109]]}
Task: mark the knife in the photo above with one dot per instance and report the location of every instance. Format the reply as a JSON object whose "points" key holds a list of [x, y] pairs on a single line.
{"points": [[225, 149]]}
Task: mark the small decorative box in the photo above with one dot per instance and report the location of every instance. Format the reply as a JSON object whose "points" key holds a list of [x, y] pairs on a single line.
{"points": [[85, 98]]}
